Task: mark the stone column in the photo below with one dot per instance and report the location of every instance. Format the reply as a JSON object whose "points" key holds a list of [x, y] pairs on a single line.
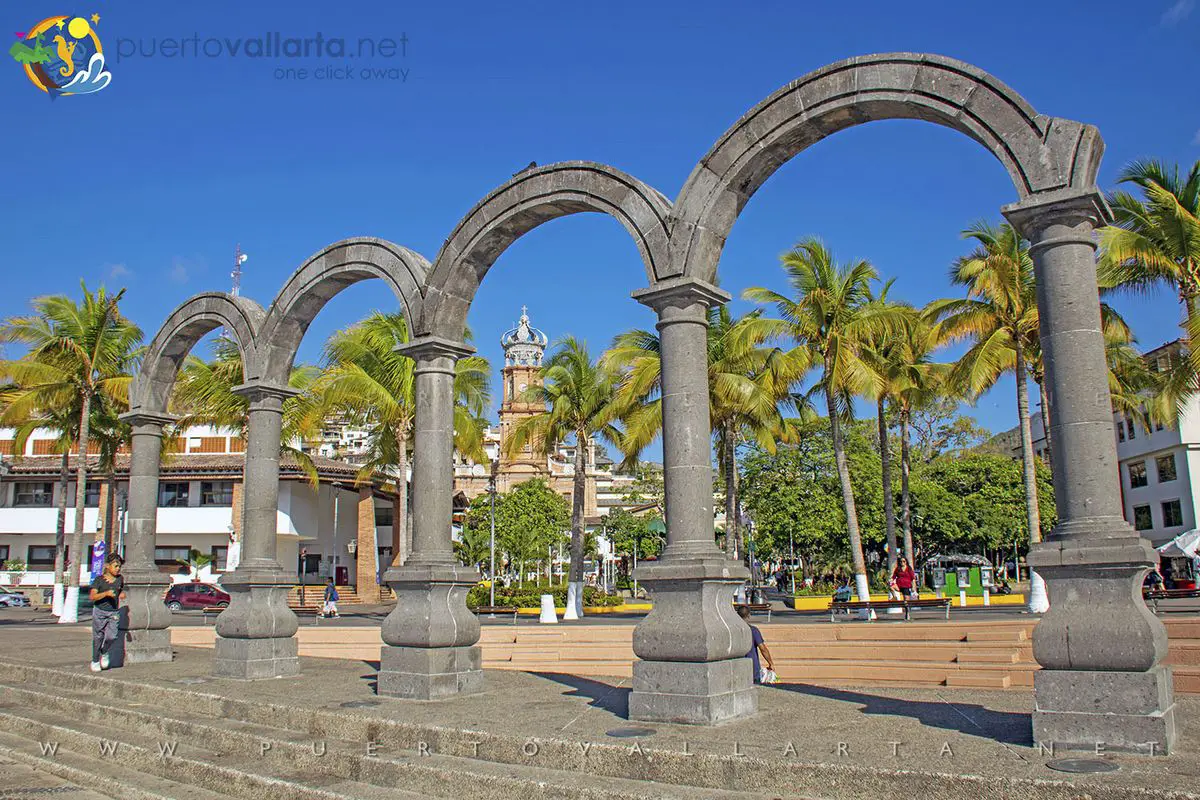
{"points": [[256, 634], [430, 649], [692, 646], [1100, 648], [147, 637]]}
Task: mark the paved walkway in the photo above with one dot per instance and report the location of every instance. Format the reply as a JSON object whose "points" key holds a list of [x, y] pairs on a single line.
{"points": [[22, 782], [927, 734]]}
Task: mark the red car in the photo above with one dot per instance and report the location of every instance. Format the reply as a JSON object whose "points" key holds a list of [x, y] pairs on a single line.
{"points": [[195, 595]]}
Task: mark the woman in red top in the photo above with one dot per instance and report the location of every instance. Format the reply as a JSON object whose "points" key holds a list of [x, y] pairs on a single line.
{"points": [[903, 578]]}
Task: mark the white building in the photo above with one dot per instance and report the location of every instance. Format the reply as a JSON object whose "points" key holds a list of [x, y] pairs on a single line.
{"points": [[199, 509]]}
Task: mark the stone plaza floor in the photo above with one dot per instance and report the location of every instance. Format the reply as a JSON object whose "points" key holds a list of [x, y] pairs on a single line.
{"points": [[815, 741]]}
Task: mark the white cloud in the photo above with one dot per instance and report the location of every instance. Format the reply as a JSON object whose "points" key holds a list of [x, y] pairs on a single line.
{"points": [[1178, 12], [118, 272], [1196, 140], [179, 271]]}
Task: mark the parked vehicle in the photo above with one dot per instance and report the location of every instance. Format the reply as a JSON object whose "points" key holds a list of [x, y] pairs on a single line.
{"points": [[13, 599], [195, 595]]}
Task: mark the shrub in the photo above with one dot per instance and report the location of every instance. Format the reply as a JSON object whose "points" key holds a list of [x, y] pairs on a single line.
{"points": [[531, 596]]}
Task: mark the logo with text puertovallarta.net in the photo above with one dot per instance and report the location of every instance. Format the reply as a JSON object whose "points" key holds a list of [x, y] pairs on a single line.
{"points": [[63, 56]]}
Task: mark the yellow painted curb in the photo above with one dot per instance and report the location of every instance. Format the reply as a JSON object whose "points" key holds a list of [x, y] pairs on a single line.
{"points": [[628, 608], [822, 603]]}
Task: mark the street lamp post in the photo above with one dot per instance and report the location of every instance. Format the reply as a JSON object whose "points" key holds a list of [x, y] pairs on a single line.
{"points": [[492, 540], [122, 497]]}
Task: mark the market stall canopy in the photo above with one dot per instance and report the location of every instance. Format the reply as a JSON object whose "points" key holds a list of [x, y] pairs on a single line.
{"points": [[1184, 545]]}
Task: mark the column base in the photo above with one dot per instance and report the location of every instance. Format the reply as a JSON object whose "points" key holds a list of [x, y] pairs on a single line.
{"points": [[692, 693], [256, 659], [1100, 711], [256, 634], [429, 673], [147, 646]]}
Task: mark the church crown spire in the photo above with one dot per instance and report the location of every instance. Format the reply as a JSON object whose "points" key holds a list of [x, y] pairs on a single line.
{"points": [[524, 345]]}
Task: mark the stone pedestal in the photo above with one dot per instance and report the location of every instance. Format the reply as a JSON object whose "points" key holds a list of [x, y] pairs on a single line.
{"points": [[147, 638], [692, 645], [256, 634], [1100, 648], [430, 639]]}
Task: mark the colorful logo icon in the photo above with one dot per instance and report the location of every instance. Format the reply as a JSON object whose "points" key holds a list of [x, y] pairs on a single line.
{"points": [[63, 56]]}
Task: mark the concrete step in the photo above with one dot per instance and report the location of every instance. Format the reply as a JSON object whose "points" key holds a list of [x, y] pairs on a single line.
{"points": [[981, 680], [101, 774], [75, 713], [988, 657]]}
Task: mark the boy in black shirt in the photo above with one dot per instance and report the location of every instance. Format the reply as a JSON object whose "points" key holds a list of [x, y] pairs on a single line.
{"points": [[107, 592]]}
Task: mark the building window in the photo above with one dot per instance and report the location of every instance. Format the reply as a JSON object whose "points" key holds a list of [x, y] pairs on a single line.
{"points": [[385, 516], [171, 556], [1158, 426], [220, 558], [216, 493], [41, 555], [1166, 468], [1120, 432], [1172, 514], [1129, 428], [1137, 474], [1142, 520], [91, 495], [34, 495], [3, 553], [173, 495]]}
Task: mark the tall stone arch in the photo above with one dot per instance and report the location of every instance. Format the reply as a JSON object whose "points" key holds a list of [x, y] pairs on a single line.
{"points": [[1092, 562], [149, 638], [240, 316], [530, 199], [322, 276], [1041, 154]]}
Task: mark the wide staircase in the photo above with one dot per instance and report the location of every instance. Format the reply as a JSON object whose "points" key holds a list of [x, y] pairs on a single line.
{"points": [[347, 596], [990, 655], [134, 741]]}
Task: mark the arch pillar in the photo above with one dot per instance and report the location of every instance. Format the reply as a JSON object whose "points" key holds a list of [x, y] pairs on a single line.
{"points": [[147, 635], [256, 634], [430, 638], [692, 646], [1100, 648]]}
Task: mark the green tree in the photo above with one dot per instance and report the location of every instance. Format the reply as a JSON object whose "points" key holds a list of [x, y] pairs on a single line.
{"points": [[747, 379], [529, 520], [628, 531], [78, 352], [832, 318], [203, 395], [999, 317], [580, 399], [365, 379], [1154, 242]]}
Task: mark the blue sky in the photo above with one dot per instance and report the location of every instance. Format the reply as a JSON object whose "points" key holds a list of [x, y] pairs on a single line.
{"points": [[151, 183]]}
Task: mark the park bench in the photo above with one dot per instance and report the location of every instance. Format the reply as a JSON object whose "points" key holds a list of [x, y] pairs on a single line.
{"points": [[1152, 596], [756, 608], [849, 606], [492, 610]]}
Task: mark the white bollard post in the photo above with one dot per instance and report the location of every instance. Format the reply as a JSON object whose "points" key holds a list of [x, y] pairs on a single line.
{"points": [[549, 614], [987, 596], [962, 598]]}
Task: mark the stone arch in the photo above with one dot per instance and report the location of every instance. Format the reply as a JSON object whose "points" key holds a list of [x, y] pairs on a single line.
{"points": [[530, 199], [189, 323], [322, 276], [1041, 154]]}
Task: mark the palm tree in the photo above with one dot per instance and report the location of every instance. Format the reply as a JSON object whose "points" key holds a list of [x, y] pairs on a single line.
{"points": [[920, 381], [581, 400], [203, 395], [833, 318], [77, 352], [367, 380], [746, 378], [1155, 242], [1000, 318]]}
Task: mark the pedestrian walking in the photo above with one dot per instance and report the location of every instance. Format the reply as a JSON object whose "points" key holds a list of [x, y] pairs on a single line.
{"points": [[106, 595], [903, 580], [329, 609], [757, 646]]}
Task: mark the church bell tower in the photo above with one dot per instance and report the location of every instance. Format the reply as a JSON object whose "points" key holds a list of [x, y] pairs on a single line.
{"points": [[524, 347]]}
